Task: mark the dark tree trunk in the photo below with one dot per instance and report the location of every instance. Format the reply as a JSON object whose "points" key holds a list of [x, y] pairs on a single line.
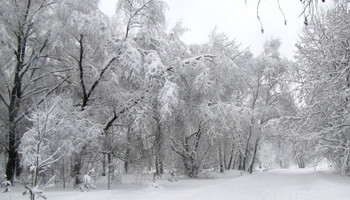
{"points": [[76, 172], [159, 166], [159, 153], [126, 161], [230, 162], [221, 162], [13, 112], [241, 162], [224, 159], [242, 165], [110, 170], [126, 166], [11, 160], [18, 165], [103, 165]]}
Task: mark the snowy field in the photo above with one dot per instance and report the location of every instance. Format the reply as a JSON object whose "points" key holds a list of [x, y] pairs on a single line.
{"points": [[295, 184]]}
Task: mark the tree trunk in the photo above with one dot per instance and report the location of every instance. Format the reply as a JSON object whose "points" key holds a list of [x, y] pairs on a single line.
{"points": [[221, 162], [188, 150], [12, 134], [159, 166], [18, 164], [126, 162], [245, 157], [127, 152], [76, 172], [300, 163], [103, 165], [230, 162], [11, 160], [250, 170], [241, 162], [159, 153], [110, 171], [224, 156], [63, 173]]}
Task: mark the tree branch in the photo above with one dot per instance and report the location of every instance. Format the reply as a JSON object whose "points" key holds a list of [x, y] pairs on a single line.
{"points": [[94, 85], [117, 115], [3, 100]]}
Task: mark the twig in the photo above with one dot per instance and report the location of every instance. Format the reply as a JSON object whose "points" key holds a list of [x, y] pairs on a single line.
{"points": [[284, 16], [258, 16]]}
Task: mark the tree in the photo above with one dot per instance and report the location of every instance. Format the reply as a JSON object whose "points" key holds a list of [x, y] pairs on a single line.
{"points": [[269, 96], [25, 62], [211, 90], [43, 144], [145, 22], [142, 14], [323, 54], [88, 46]]}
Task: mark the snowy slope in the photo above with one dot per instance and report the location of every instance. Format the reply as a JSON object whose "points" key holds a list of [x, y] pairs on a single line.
{"points": [[293, 184]]}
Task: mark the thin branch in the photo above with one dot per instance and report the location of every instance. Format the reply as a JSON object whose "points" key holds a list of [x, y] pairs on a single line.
{"points": [[4, 145], [3, 100], [172, 143], [284, 16], [117, 115], [130, 23], [94, 85], [46, 95], [258, 16], [34, 57]]}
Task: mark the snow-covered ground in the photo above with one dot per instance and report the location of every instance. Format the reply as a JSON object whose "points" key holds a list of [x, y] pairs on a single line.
{"points": [[295, 184]]}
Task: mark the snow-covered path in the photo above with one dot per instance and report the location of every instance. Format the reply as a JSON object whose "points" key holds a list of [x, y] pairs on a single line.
{"points": [[275, 185]]}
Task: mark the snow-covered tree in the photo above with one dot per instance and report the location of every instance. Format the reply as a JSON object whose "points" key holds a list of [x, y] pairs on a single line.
{"points": [[142, 14], [323, 57], [28, 33], [43, 144], [269, 96]]}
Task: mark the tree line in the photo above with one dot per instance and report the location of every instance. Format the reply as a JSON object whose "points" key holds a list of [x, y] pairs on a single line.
{"points": [[81, 91]]}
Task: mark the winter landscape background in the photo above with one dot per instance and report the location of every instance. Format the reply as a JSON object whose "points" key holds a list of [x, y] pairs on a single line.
{"points": [[119, 106]]}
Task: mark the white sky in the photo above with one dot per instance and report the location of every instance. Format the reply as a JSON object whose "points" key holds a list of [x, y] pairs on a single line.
{"points": [[234, 18]]}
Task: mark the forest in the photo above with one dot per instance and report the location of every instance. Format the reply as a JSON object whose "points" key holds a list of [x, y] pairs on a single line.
{"points": [[85, 95]]}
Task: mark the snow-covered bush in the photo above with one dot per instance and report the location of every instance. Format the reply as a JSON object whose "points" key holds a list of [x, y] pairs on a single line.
{"points": [[43, 144], [87, 185]]}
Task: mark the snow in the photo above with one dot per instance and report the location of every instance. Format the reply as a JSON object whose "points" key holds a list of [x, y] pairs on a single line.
{"points": [[291, 184]]}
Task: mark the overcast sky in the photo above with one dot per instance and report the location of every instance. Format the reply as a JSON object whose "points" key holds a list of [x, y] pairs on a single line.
{"points": [[235, 18]]}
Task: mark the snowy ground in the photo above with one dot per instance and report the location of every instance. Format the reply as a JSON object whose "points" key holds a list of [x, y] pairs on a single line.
{"points": [[296, 184]]}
